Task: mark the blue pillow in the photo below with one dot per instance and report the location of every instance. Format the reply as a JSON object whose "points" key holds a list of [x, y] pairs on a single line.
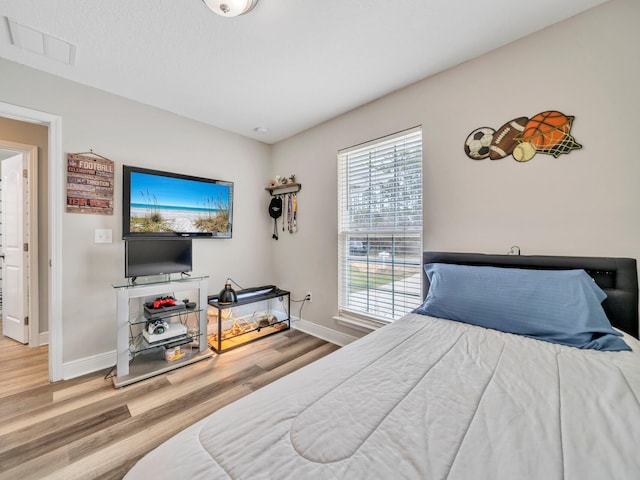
{"points": [[559, 306]]}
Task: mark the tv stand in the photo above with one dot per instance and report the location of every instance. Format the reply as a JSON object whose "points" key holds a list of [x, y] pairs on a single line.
{"points": [[137, 358]]}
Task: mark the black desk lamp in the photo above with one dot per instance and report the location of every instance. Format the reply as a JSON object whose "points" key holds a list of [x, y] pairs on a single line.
{"points": [[227, 295]]}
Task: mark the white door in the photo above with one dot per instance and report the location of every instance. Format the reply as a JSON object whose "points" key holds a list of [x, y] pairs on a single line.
{"points": [[14, 230]]}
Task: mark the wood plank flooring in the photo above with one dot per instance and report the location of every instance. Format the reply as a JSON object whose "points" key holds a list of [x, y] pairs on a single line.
{"points": [[84, 428]]}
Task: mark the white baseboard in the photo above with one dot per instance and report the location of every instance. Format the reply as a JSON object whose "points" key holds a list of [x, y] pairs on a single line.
{"points": [[325, 333], [86, 365], [94, 363], [83, 366]]}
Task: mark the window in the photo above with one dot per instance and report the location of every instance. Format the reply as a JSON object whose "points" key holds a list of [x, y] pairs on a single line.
{"points": [[380, 227]]}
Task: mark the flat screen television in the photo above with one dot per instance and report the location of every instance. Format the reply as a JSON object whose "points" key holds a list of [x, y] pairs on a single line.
{"points": [[157, 256], [164, 204]]}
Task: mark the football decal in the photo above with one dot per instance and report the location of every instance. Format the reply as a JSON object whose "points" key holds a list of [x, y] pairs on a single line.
{"points": [[548, 132], [478, 142], [504, 141]]}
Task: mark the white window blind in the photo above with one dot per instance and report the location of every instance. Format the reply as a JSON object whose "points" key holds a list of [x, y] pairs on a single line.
{"points": [[380, 227]]}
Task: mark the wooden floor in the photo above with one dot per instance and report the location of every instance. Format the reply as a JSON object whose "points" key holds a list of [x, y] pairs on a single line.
{"points": [[84, 428]]}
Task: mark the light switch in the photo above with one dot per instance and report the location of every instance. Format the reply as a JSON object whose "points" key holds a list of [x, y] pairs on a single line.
{"points": [[103, 235]]}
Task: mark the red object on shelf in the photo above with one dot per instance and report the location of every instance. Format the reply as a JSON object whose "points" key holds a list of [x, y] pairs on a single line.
{"points": [[163, 302]]}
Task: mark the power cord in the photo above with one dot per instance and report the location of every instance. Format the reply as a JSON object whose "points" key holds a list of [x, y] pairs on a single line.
{"points": [[111, 373], [235, 283], [302, 302]]}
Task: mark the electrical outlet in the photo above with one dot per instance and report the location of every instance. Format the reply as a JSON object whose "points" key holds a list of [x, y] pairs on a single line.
{"points": [[309, 297]]}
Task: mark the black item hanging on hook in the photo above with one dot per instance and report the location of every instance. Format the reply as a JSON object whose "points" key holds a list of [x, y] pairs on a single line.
{"points": [[275, 211], [284, 204]]}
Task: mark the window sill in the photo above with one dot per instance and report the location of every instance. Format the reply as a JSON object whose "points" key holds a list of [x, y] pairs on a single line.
{"points": [[359, 323]]}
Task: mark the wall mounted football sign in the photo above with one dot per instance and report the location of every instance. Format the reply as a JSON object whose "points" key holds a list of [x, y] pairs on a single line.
{"points": [[89, 183]]}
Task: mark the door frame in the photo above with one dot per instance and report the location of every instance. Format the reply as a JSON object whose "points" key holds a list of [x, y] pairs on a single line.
{"points": [[56, 170], [34, 271]]}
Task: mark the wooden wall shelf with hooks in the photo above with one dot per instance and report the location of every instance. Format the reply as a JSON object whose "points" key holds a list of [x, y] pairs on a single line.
{"points": [[284, 189]]}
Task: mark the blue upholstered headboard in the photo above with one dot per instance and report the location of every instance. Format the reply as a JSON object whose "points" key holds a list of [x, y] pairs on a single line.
{"points": [[618, 277]]}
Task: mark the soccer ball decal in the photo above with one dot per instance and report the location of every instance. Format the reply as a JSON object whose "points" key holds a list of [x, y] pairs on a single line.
{"points": [[477, 144]]}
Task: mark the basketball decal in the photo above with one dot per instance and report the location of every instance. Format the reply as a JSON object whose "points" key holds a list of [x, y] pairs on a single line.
{"points": [[547, 132]]}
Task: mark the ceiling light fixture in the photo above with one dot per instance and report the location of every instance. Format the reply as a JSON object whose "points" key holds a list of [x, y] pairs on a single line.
{"points": [[230, 8]]}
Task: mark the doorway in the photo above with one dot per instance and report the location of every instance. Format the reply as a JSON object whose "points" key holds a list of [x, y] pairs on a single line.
{"points": [[50, 265], [19, 243]]}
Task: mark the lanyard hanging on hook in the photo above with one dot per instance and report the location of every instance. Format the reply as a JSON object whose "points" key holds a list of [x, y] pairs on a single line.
{"points": [[284, 206], [294, 215], [289, 211]]}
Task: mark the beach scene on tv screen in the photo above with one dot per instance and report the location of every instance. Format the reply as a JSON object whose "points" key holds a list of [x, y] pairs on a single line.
{"points": [[162, 204]]}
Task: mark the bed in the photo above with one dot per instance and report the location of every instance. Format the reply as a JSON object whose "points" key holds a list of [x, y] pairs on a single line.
{"points": [[433, 398]]}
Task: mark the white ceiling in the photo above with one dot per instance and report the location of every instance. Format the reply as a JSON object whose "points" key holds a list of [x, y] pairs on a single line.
{"points": [[287, 65]]}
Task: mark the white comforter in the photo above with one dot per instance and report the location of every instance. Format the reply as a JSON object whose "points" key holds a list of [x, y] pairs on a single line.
{"points": [[425, 398]]}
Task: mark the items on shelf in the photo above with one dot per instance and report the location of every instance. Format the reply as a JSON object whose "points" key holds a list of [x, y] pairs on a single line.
{"points": [[161, 306], [280, 182], [282, 185], [161, 334], [284, 203], [173, 353], [160, 330]]}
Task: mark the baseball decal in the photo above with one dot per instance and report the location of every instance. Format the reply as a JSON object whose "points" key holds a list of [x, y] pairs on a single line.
{"points": [[547, 132]]}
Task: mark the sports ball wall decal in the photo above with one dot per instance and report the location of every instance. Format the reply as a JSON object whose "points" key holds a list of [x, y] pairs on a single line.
{"points": [[504, 140], [478, 143], [547, 132]]}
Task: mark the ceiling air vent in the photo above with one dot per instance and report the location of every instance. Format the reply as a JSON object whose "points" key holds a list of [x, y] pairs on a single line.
{"points": [[38, 42]]}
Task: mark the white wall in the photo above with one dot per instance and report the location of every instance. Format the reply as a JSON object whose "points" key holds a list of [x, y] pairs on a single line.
{"points": [[131, 133], [583, 203]]}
